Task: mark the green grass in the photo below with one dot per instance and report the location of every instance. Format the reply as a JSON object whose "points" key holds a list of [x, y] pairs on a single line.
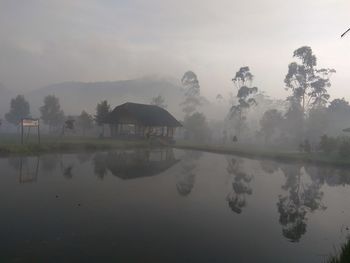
{"points": [[10, 144], [343, 255], [251, 151]]}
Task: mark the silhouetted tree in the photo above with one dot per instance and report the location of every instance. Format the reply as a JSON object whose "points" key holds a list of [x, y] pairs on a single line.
{"points": [[102, 114], [19, 109], [197, 127], [243, 82], [270, 122], [191, 87], [85, 121], [294, 122], [338, 113], [159, 101], [328, 144], [308, 85], [51, 112], [317, 123]]}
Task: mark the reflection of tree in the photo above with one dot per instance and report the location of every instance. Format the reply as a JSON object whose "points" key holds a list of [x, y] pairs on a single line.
{"points": [[302, 198], [67, 171], [332, 176], [240, 186], [66, 168], [49, 162], [269, 166], [186, 179], [84, 157], [100, 165]]}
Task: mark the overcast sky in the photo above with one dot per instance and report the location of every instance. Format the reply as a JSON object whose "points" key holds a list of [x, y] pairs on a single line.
{"points": [[50, 41]]}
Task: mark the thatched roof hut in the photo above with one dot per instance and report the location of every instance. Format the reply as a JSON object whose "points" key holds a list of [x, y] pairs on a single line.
{"points": [[142, 120]]}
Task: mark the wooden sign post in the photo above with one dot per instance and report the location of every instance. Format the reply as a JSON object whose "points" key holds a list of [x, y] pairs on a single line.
{"points": [[30, 123]]}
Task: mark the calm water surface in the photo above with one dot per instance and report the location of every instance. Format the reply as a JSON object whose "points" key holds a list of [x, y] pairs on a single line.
{"points": [[169, 206]]}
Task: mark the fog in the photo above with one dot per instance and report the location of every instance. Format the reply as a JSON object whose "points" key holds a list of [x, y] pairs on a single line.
{"points": [[185, 131], [51, 42], [86, 51]]}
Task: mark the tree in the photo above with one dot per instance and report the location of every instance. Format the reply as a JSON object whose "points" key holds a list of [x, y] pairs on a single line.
{"points": [[317, 123], [85, 121], [344, 147], [102, 114], [159, 101], [51, 112], [271, 120], [191, 87], [339, 106], [338, 113], [308, 85], [327, 144], [19, 109], [294, 122], [243, 82], [197, 127]]}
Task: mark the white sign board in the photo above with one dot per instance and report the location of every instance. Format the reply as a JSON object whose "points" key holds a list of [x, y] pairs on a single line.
{"points": [[30, 123]]}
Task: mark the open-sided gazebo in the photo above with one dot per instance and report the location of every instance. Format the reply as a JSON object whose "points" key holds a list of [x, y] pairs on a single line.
{"points": [[142, 120]]}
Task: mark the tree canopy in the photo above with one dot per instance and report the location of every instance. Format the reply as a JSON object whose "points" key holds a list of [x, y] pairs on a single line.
{"points": [[102, 111], [308, 84], [159, 101], [51, 112], [191, 87], [19, 108], [243, 82]]}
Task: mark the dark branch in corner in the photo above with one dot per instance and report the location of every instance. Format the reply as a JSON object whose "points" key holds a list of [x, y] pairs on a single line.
{"points": [[345, 32]]}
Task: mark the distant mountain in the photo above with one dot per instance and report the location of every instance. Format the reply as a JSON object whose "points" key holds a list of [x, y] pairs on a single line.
{"points": [[77, 96]]}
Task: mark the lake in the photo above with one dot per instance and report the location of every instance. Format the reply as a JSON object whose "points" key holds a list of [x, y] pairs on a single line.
{"points": [[169, 205]]}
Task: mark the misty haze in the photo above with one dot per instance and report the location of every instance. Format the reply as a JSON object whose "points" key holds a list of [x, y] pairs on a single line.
{"points": [[175, 131]]}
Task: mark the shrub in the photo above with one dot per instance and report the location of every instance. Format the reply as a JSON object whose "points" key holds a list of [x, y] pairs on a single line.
{"points": [[328, 144]]}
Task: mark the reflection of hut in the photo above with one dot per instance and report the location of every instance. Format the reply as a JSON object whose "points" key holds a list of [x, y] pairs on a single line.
{"points": [[140, 163], [141, 120]]}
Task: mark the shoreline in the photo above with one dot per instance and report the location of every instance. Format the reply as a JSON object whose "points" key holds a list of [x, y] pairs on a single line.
{"points": [[69, 146], [312, 158], [76, 145]]}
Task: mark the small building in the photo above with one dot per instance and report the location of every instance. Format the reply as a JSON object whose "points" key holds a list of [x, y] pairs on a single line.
{"points": [[142, 121]]}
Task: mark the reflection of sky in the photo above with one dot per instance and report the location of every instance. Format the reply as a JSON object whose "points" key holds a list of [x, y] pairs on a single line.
{"points": [[148, 215]]}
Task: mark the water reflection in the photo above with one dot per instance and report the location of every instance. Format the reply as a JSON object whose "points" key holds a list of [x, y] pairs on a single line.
{"points": [[303, 195], [134, 163], [240, 186], [185, 180], [100, 165], [27, 168], [299, 187], [49, 163]]}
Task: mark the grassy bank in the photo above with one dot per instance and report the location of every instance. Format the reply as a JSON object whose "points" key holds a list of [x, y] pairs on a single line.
{"points": [[11, 146], [343, 256], [255, 152]]}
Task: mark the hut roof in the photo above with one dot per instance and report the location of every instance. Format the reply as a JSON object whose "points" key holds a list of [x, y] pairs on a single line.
{"points": [[149, 115]]}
